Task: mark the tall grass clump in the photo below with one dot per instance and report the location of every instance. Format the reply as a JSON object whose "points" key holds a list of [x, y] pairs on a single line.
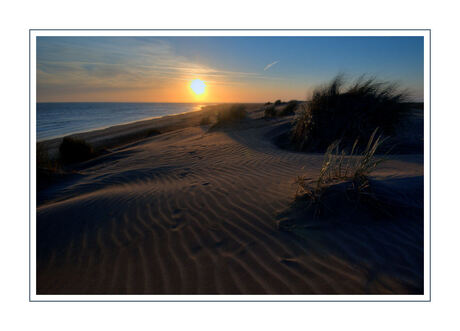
{"points": [[230, 115], [206, 120], [44, 162], [340, 111], [270, 111], [48, 168], [289, 109], [72, 150], [338, 166]]}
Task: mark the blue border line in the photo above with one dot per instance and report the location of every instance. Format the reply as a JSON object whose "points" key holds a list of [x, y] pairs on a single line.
{"points": [[430, 163], [230, 30], [30, 163]]}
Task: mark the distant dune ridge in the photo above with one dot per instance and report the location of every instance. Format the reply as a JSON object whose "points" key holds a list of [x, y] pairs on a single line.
{"points": [[188, 210]]}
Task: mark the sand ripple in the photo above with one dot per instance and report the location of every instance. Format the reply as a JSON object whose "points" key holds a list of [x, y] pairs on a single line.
{"points": [[190, 212]]}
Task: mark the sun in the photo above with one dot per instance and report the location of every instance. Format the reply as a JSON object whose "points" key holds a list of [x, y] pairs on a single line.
{"points": [[198, 86]]}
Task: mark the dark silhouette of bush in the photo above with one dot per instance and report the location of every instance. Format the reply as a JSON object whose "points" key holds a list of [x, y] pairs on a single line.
{"points": [[337, 112], [74, 150], [270, 111], [289, 109], [44, 161], [205, 120], [277, 102], [230, 115]]}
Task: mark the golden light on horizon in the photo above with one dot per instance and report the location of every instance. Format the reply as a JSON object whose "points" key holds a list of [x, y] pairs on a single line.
{"points": [[198, 86]]}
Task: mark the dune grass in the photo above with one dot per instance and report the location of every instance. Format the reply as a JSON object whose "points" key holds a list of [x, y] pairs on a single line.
{"points": [[206, 120], [270, 111], [230, 115], [339, 167], [290, 108], [48, 169], [72, 150], [44, 161], [341, 111]]}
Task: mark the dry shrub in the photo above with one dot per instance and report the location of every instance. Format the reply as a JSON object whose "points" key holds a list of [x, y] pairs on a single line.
{"points": [[231, 115], [338, 167], [73, 150]]}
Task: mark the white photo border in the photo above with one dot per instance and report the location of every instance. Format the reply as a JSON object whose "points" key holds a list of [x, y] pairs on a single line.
{"points": [[425, 33]]}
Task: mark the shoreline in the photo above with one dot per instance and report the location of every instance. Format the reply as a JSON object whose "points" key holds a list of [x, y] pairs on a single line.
{"points": [[121, 134], [119, 124], [201, 106]]}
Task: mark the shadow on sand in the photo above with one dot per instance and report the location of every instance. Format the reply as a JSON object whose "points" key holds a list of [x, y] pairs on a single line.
{"points": [[382, 237]]}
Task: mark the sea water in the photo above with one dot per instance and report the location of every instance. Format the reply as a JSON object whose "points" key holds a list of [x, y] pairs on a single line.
{"points": [[60, 119]]}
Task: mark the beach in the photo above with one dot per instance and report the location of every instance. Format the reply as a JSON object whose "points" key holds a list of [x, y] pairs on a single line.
{"points": [[173, 206]]}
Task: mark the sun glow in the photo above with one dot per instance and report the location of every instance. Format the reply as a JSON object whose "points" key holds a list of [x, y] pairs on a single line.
{"points": [[198, 86]]}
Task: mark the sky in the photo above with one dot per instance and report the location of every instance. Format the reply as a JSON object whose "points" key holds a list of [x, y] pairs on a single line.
{"points": [[234, 69]]}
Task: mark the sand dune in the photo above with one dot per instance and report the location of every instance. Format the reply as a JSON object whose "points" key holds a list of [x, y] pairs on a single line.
{"points": [[195, 212]]}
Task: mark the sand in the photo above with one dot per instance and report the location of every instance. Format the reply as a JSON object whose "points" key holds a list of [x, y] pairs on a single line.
{"points": [[196, 211]]}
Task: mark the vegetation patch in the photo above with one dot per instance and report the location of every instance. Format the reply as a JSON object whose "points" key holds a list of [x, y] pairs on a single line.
{"points": [[343, 180], [230, 115], [340, 111], [44, 161], [290, 108], [280, 109], [269, 111], [206, 120], [73, 150]]}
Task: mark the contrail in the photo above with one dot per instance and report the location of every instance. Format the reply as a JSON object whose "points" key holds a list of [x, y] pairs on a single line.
{"points": [[268, 66]]}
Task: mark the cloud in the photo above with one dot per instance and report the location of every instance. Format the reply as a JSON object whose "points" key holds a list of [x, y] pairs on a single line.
{"points": [[131, 63], [268, 66], [70, 68]]}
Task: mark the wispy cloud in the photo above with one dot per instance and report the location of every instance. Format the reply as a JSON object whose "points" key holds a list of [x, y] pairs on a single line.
{"points": [[268, 66], [84, 65], [114, 68]]}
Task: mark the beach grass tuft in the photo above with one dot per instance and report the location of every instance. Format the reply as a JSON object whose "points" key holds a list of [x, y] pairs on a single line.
{"points": [[340, 167], [344, 111], [206, 120], [72, 150], [269, 111], [290, 108], [44, 161], [230, 115]]}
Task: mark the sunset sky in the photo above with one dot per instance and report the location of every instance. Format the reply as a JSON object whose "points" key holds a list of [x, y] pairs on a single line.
{"points": [[234, 69]]}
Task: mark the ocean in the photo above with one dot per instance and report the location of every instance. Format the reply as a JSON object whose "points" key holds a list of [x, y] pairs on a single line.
{"points": [[60, 119]]}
